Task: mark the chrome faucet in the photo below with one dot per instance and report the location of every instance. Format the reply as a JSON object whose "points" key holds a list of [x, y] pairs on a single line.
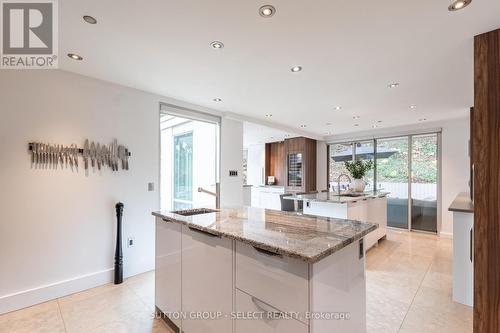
{"points": [[338, 180]]}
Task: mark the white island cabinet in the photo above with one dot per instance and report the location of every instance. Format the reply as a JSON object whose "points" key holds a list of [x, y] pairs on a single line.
{"points": [[242, 270], [371, 207]]}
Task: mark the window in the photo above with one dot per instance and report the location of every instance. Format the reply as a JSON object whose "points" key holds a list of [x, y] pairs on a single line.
{"points": [[183, 171]]}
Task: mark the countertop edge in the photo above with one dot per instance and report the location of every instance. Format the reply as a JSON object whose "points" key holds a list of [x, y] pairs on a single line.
{"points": [[264, 246], [462, 204]]}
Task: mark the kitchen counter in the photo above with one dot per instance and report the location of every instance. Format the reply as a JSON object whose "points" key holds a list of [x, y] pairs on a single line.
{"points": [[462, 203], [333, 197], [306, 237]]}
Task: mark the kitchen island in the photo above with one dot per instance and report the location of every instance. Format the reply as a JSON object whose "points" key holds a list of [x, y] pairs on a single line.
{"points": [[366, 206], [248, 269]]}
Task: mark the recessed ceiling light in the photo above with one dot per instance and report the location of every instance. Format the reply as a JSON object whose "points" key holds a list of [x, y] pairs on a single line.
{"points": [[356, 125], [338, 107], [303, 126], [355, 117], [328, 124], [287, 135], [296, 69], [374, 126], [393, 85], [413, 107], [328, 133], [422, 119], [269, 115], [272, 137], [75, 56], [217, 45], [458, 4], [217, 100], [379, 121], [89, 19], [267, 11]]}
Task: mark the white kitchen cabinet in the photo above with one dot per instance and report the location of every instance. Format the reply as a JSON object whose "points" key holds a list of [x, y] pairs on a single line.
{"points": [[282, 282], [267, 197], [372, 210], [207, 281], [463, 259], [376, 213], [258, 314], [168, 268]]}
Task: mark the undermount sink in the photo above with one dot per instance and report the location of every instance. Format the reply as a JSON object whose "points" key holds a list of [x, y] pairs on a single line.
{"points": [[194, 211], [352, 194]]}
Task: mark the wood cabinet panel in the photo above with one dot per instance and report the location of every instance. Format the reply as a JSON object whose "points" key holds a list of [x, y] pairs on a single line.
{"points": [[275, 162], [486, 158]]}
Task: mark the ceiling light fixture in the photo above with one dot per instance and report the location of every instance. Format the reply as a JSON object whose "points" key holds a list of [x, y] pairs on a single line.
{"points": [[338, 108], [303, 126], [393, 85], [217, 45], [217, 100], [374, 126], [379, 121], [422, 119], [458, 4], [355, 117], [89, 19], [413, 107], [269, 115], [75, 56], [296, 69], [328, 124], [356, 125], [267, 11]]}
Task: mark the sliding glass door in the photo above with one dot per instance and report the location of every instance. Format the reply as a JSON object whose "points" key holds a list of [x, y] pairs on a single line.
{"points": [[424, 182], [392, 176], [407, 167]]}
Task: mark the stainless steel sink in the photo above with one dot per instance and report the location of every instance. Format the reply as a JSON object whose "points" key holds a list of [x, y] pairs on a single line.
{"points": [[194, 211], [354, 195]]}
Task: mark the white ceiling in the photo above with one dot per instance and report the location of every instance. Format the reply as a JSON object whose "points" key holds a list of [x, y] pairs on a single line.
{"points": [[258, 134], [350, 51]]}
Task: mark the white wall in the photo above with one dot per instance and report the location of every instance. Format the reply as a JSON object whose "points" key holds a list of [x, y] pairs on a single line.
{"points": [[57, 227], [231, 159], [454, 158], [455, 167]]}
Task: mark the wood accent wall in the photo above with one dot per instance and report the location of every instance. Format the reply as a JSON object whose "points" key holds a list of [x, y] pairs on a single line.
{"points": [[486, 157], [307, 147], [276, 162]]}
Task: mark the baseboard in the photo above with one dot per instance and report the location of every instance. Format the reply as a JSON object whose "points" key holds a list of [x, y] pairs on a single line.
{"points": [[22, 299], [447, 235]]}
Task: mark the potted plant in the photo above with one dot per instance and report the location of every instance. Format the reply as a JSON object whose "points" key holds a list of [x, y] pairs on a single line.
{"points": [[358, 170]]}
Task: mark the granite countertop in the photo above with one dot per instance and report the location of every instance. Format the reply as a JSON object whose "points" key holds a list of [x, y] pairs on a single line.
{"points": [[333, 197], [306, 237], [462, 203]]}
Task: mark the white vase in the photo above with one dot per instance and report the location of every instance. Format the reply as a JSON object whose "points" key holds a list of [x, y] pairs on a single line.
{"points": [[358, 185]]}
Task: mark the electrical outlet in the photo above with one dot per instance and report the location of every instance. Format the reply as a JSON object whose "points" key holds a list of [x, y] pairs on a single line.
{"points": [[151, 187], [130, 242]]}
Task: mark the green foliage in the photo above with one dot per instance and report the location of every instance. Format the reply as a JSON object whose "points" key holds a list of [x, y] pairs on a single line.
{"points": [[358, 168]]}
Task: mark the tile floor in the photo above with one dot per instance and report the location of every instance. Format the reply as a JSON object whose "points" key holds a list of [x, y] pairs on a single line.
{"points": [[408, 290]]}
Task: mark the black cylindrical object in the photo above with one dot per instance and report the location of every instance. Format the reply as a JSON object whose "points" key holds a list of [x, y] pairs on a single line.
{"points": [[118, 250]]}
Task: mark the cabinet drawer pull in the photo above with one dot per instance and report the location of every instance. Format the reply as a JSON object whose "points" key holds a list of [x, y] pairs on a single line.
{"points": [[470, 244], [274, 313], [204, 232], [267, 252]]}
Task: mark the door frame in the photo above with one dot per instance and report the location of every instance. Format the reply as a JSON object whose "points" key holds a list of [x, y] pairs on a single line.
{"points": [[182, 112]]}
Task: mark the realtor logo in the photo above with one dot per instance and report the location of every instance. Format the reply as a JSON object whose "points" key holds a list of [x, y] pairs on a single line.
{"points": [[29, 34]]}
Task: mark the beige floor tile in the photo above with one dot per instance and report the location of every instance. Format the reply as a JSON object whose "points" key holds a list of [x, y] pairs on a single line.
{"points": [[114, 304], [137, 322], [434, 311], [41, 318]]}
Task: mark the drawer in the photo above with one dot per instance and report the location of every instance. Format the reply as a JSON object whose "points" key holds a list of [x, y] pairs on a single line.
{"points": [[280, 281], [246, 304]]}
